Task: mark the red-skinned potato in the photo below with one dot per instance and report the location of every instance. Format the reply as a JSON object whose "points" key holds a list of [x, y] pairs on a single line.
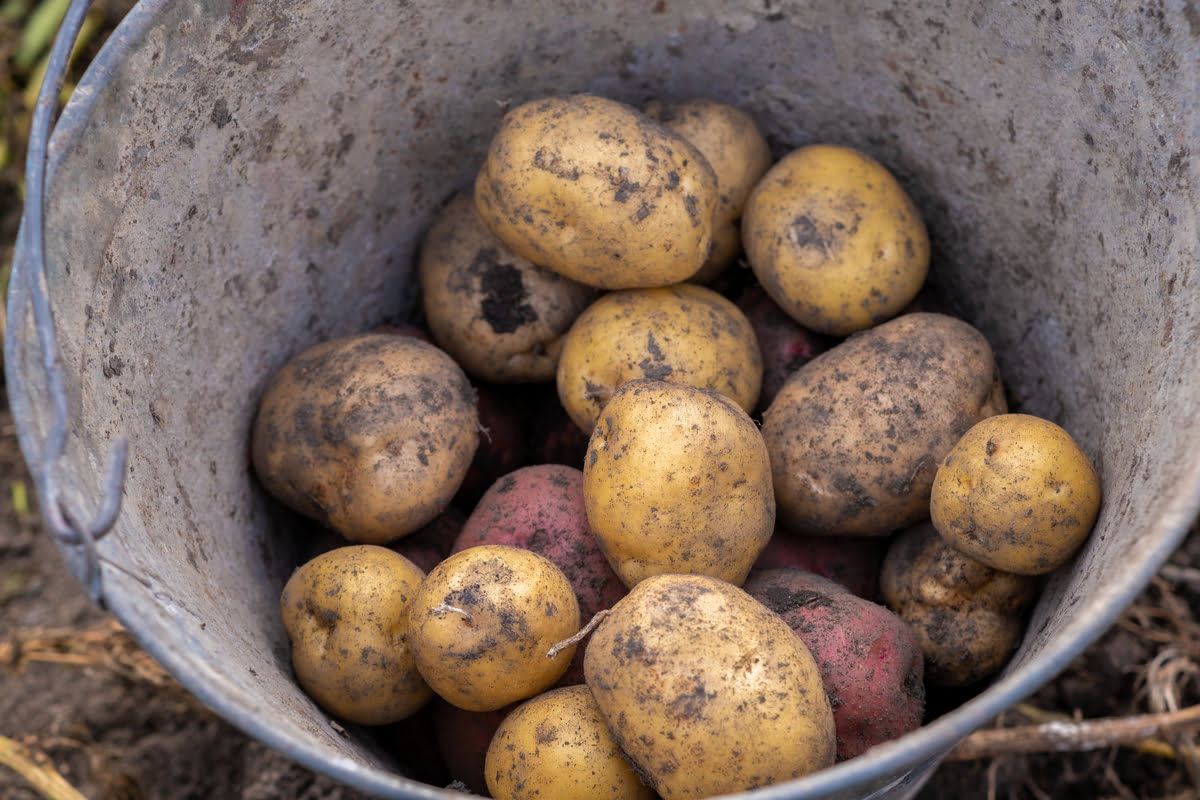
{"points": [[852, 561], [785, 344], [503, 442], [429, 546], [463, 738], [870, 662]]}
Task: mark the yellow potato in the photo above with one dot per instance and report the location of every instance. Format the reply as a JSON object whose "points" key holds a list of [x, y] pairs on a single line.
{"points": [[501, 316], [966, 615], [682, 334], [706, 690], [835, 240], [738, 154], [856, 434], [557, 745], [598, 192], [482, 622], [346, 616], [370, 434], [677, 479], [1016, 493]]}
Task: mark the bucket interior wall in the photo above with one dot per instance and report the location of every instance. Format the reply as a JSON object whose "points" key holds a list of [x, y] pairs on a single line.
{"points": [[234, 182]]}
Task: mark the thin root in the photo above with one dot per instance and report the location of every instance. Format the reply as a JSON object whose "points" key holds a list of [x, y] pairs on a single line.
{"points": [[580, 636]]}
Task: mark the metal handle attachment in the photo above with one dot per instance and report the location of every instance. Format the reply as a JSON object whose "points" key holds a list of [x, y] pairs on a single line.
{"points": [[67, 524]]}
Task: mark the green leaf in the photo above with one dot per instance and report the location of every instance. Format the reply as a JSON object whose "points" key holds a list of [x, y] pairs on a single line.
{"points": [[39, 31]]}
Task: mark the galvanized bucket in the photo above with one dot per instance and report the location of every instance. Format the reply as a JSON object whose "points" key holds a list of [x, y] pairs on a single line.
{"points": [[235, 180]]}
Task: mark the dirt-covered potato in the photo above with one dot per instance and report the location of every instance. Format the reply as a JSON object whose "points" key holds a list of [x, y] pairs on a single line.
{"points": [[369, 434], [346, 615], [598, 192], [1016, 493], [558, 745], [870, 661], [677, 479], [706, 690], [835, 240], [856, 434], [482, 622], [966, 615], [540, 508], [501, 316], [682, 334], [738, 154]]}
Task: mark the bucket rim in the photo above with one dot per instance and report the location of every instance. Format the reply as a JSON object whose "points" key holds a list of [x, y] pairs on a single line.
{"points": [[921, 749]]}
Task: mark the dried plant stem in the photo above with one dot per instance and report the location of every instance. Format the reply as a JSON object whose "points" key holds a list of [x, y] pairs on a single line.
{"points": [[580, 636], [1061, 736], [37, 770]]}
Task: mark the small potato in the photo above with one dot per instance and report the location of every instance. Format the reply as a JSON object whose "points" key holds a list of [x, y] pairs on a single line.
{"points": [[870, 661], [682, 334], [966, 615], [1016, 493], [541, 509], [501, 316], [738, 154], [677, 479], [598, 192], [370, 435], [557, 745], [346, 615], [856, 434], [482, 622], [706, 690], [835, 240]]}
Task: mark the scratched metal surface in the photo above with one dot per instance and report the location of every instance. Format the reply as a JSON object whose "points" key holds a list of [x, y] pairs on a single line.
{"points": [[233, 182]]}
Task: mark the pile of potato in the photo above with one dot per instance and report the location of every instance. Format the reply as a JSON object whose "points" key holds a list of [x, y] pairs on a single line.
{"points": [[713, 480]]}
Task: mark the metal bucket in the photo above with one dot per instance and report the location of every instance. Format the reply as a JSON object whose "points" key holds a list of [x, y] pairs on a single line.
{"points": [[235, 180]]}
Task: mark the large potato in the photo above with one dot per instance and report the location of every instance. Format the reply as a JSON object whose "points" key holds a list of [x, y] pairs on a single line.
{"points": [[500, 316], [677, 479], [835, 240], [368, 434], [482, 622], [856, 434], [706, 690], [682, 334], [346, 615], [598, 192], [966, 615], [557, 745], [738, 154], [1016, 493]]}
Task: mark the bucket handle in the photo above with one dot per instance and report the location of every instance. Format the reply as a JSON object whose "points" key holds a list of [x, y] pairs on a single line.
{"points": [[68, 525]]}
